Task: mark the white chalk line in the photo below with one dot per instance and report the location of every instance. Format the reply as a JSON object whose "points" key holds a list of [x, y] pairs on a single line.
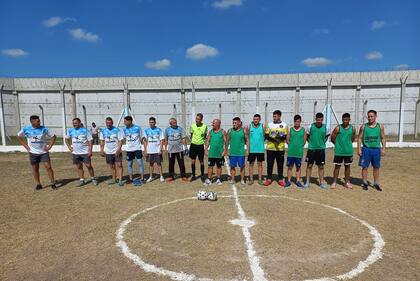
{"points": [[375, 254], [246, 224]]}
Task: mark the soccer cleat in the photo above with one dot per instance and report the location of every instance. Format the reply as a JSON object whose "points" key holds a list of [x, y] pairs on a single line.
{"points": [[268, 182], [231, 181], [260, 182], [81, 183], [184, 179], [219, 182], [207, 182], [202, 179], [334, 185], [299, 184], [306, 185], [377, 187], [137, 182], [242, 182], [287, 184], [192, 178], [120, 183], [169, 179], [323, 185], [250, 182], [348, 185], [365, 186], [281, 183], [111, 182], [95, 182], [162, 179], [54, 186], [149, 179], [38, 187]]}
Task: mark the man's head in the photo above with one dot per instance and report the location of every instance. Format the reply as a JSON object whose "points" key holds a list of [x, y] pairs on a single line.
{"points": [[256, 119], [236, 122], [199, 118], [297, 120], [93, 124], [371, 116], [319, 118], [173, 122], [216, 124], [128, 121], [76, 123], [346, 119], [35, 122], [152, 122], [276, 116], [109, 122]]}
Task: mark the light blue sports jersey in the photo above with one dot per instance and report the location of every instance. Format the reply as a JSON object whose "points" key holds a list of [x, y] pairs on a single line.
{"points": [[256, 139], [111, 137], [36, 138], [174, 136], [153, 136], [79, 139], [133, 137]]}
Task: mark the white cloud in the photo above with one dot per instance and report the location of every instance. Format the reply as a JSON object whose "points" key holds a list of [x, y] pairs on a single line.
{"points": [[53, 21], [316, 62], [320, 31], [401, 67], [378, 24], [162, 64], [81, 34], [226, 4], [201, 51], [14, 52], [374, 56]]}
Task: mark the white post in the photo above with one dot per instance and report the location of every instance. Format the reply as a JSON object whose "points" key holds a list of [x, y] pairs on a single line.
{"points": [[63, 110], [183, 109], [314, 110], [364, 111], [85, 116], [257, 97], [220, 111], [174, 111], [73, 104], [356, 105], [15, 93], [266, 113], [2, 121], [402, 105], [42, 114], [238, 102], [193, 102], [297, 100]]}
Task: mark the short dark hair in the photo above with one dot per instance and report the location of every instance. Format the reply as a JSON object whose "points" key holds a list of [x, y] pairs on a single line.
{"points": [[108, 119], [346, 115], [152, 119], [319, 115], [372, 111], [34, 117], [277, 112], [77, 119], [297, 117], [93, 123], [200, 115], [236, 119], [257, 115], [128, 118]]}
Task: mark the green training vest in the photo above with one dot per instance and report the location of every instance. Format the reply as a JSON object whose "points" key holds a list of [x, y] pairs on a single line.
{"points": [[237, 142], [297, 142], [317, 137], [372, 136], [216, 144], [343, 144]]}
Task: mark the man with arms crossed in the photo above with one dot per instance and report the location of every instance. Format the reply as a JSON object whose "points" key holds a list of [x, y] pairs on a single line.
{"points": [[255, 133], [38, 148], [215, 150], [175, 145], [371, 146], [81, 149], [198, 133], [343, 137], [153, 148], [134, 137], [111, 143]]}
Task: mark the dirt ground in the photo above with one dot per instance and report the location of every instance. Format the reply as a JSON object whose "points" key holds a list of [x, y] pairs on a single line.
{"points": [[70, 233]]}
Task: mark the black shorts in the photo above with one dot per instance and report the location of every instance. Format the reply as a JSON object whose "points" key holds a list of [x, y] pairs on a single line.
{"points": [[219, 162], [131, 155], [154, 158], [197, 150], [111, 159], [81, 158], [253, 156], [37, 158], [316, 156], [347, 160]]}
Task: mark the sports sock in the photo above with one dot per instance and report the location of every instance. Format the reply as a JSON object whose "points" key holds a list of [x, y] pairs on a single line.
{"points": [[193, 169]]}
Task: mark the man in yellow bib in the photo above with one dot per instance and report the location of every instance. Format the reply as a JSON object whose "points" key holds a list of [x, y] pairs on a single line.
{"points": [[198, 133]]}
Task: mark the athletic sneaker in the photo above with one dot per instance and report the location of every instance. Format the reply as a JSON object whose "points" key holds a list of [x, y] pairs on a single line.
{"points": [[95, 182], [231, 181], [207, 182], [323, 185], [268, 182], [365, 186], [348, 185], [162, 179], [219, 182], [120, 183], [149, 179], [38, 187], [111, 182], [287, 184], [54, 186], [184, 179], [202, 179], [242, 182], [334, 185], [169, 179], [260, 182], [250, 182], [281, 183], [192, 178], [307, 184], [377, 187], [81, 183], [299, 184]]}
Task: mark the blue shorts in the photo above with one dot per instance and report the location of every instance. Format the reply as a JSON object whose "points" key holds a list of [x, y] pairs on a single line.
{"points": [[294, 161], [237, 161], [370, 156]]}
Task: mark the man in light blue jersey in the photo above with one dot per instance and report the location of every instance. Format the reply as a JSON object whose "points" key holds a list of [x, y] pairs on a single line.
{"points": [[175, 145], [111, 143], [36, 136], [255, 133], [134, 137], [153, 148], [81, 148]]}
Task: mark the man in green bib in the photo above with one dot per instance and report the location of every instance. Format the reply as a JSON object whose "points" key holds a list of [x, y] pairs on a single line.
{"points": [[215, 151], [317, 136], [296, 139], [236, 139], [343, 137], [198, 133], [371, 146]]}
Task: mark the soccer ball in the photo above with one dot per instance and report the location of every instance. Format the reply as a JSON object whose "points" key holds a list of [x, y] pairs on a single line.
{"points": [[201, 195], [212, 196]]}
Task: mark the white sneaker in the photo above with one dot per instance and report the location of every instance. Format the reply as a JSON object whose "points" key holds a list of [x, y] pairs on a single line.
{"points": [[231, 181], [207, 182], [149, 179], [219, 182], [162, 179], [242, 182]]}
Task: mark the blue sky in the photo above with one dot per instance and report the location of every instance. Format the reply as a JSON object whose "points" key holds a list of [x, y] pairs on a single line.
{"points": [[49, 38]]}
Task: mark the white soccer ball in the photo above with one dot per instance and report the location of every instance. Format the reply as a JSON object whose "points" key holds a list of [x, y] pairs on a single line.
{"points": [[212, 196], [201, 195]]}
